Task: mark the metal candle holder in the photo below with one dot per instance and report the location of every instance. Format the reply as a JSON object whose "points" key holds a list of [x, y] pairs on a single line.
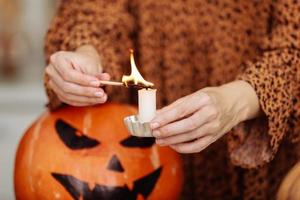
{"points": [[137, 128]]}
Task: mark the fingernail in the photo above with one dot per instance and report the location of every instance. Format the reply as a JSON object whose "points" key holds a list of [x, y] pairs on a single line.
{"points": [[156, 133], [98, 94], [95, 83], [154, 125]]}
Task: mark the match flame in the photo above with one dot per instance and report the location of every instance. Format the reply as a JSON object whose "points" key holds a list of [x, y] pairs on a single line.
{"points": [[135, 77]]}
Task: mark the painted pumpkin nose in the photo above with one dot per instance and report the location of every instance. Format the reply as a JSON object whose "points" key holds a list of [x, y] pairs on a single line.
{"points": [[115, 164]]}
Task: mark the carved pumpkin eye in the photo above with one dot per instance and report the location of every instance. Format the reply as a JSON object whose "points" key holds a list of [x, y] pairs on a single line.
{"points": [[71, 139], [141, 142]]}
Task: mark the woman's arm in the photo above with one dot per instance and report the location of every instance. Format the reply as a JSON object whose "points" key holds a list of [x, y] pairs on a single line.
{"points": [[104, 25], [275, 77], [269, 93], [193, 122]]}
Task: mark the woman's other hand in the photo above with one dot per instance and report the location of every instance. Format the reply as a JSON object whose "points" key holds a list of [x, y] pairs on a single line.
{"points": [[75, 76], [195, 121]]}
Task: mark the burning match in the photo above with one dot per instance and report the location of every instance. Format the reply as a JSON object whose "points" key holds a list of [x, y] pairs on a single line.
{"points": [[116, 83], [135, 79]]}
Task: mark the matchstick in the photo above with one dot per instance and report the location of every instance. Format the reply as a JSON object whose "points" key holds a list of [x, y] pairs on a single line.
{"points": [[114, 83], [128, 85]]}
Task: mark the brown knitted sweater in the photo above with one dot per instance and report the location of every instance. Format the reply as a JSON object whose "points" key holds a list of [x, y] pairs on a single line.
{"points": [[183, 46]]}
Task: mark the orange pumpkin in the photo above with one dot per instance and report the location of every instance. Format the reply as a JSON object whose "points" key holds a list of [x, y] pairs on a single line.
{"points": [[87, 153]]}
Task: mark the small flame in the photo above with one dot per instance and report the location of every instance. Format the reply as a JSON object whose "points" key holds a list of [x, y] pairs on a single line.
{"points": [[135, 77]]}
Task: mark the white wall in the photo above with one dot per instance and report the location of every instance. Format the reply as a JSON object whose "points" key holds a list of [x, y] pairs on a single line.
{"points": [[20, 105], [34, 23], [22, 100]]}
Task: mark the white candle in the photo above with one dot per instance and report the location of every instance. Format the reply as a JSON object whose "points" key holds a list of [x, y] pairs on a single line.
{"points": [[147, 104]]}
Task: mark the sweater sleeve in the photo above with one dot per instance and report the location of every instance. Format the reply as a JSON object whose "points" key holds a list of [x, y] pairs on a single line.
{"points": [[106, 25], [275, 77]]}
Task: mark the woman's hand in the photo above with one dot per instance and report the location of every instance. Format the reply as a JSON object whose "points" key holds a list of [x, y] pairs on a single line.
{"points": [[74, 76], [195, 121]]}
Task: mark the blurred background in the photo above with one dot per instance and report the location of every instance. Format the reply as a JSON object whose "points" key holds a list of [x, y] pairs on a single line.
{"points": [[23, 24]]}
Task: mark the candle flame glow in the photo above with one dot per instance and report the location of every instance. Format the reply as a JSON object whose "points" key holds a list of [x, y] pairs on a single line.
{"points": [[135, 77]]}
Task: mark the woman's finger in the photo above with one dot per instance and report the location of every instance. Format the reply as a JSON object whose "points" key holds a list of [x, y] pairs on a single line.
{"points": [[72, 103], [82, 90], [103, 76], [176, 103], [185, 137], [72, 88], [182, 109], [195, 146], [55, 87], [68, 73], [67, 97], [171, 106], [54, 76], [89, 100], [196, 120]]}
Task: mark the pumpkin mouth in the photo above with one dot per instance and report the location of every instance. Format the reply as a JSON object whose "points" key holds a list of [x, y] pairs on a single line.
{"points": [[78, 188]]}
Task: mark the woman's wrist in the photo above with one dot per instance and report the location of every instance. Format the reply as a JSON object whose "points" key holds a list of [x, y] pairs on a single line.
{"points": [[241, 97]]}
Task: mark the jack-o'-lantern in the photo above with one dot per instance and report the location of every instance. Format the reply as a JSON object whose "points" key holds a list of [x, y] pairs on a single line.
{"points": [[87, 153]]}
